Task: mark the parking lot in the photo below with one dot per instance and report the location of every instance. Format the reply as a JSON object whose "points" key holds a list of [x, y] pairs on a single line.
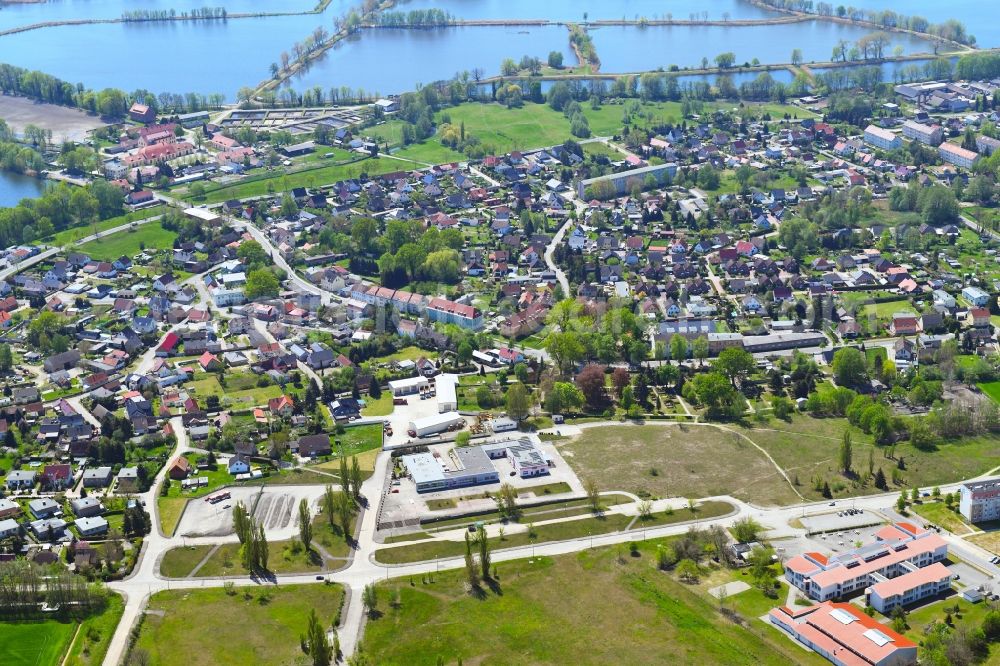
{"points": [[276, 507], [840, 519]]}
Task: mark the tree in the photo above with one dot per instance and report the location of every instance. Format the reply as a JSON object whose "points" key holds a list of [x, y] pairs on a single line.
{"points": [[688, 571], [555, 59], [563, 397], [484, 552], [717, 394], [938, 205], [345, 511], [289, 208], [355, 478], [364, 232], [253, 254], [678, 347], [590, 381], [700, 348], [901, 502], [566, 349], [849, 368], [736, 364], [471, 573], [593, 495], [261, 283], [725, 60], [518, 402], [6, 358], [330, 505], [796, 56], [305, 524], [369, 598], [845, 452], [746, 530], [319, 647]]}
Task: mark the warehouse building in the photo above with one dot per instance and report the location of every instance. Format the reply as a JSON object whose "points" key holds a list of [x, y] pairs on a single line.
{"points": [[401, 387], [447, 397], [431, 425], [471, 467]]}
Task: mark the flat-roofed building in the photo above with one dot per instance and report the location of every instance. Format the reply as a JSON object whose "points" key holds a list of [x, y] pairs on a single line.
{"points": [[447, 394], [979, 501]]}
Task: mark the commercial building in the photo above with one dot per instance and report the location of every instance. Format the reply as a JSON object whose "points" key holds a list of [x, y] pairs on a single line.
{"points": [[623, 182], [401, 387], [957, 155], [844, 635], [899, 549], [526, 458], [447, 396], [470, 466], [431, 425], [979, 501], [931, 135], [882, 138], [909, 588]]}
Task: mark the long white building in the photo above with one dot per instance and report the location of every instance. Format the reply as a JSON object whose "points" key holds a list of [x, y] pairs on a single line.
{"points": [[882, 138], [931, 135]]}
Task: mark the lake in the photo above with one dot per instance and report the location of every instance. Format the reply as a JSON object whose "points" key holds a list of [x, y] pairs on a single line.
{"points": [[57, 10], [15, 186], [222, 56], [393, 61], [632, 49], [573, 10]]}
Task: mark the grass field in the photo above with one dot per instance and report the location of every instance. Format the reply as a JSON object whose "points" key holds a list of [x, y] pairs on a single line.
{"points": [[571, 529], [676, 460], [171, 509], [622, 611], [503, 130], [34, 643], [208, 627], [179, 562], [808, 447], [129, 243], [430, 152], [886, 309], [381, 407], [940, 515], [95, 635], [358, 439], [233, 393], [991, 389], [73, 234]]}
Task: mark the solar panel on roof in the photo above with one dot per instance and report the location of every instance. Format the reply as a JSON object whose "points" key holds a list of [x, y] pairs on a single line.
{"points": [[877, 637], [842, 616]]}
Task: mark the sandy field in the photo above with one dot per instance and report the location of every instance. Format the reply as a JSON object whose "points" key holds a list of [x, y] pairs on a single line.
{"points": [[65, 123]]}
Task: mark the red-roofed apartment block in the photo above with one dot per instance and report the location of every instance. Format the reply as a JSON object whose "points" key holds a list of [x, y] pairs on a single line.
{"points": [[845, 635], [898, 550]]}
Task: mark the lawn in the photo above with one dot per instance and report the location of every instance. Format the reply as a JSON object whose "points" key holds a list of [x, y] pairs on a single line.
{"points": [[225, 561], [570, 529], [237, 390], [73, 234], [208, 627], [179, 562], [381, 407], [430, 152], [991, 389], [886, 309], [807, 448], [95, 635], [622, 611], [358, 439], [130, 243], [940, 515], [676, 461], [34, 643], [171, 509], [502, 130]]}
